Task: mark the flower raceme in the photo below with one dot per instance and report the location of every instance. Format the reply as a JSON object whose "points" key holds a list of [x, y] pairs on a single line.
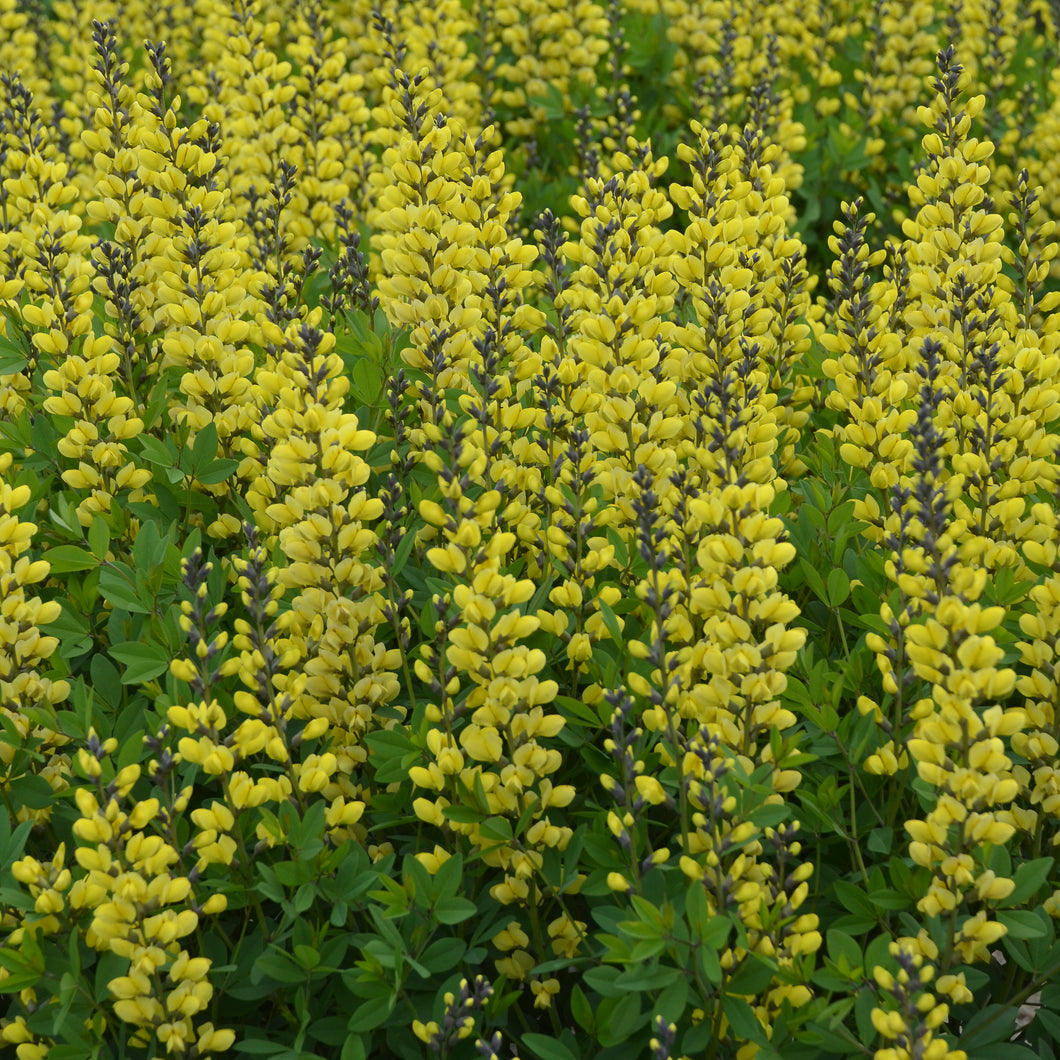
{"points": [[494, 739], [532, 526]]}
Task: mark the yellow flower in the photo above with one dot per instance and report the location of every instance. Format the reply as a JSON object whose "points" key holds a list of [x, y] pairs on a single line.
{"points": [[544, 991]]}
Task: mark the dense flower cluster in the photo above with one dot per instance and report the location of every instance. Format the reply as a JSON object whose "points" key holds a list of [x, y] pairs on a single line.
{"points": [[498, 501]]}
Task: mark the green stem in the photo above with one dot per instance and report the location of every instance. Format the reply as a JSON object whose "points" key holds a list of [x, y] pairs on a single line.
{"points": [[539, 940], [245, 862], [951, 931], [716, 1016], [1043, 979], [1012, 970], [842, 633], [852, 840], [682, 793], [855, 779]]}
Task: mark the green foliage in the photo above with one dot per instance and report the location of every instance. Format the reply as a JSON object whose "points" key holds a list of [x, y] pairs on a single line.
{"points": [[677, 891]]}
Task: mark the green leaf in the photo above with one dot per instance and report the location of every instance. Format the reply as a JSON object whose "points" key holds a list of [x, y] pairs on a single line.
{"points": [[269, 885], [1003, 1051], [496, 829], [696, 1038], [454, 910], [10, 348], [12, 362], [614, 538], [843, 948], [636, 929], [106, 681], [72, 631], [367, 380], [402, 553], [443, 955], [988, 1027], [881, 840], [714, 932], [743, 1020], [391, 750], [751, 978], [617, 1018], [447, 878], [99, 537], [31, 791], [15, 961], [1016, 950], [262, 1047], [354, 1048], [603, 980], [119, 586], [17, 432], [416, 880], [888, 899], [648, 912], [769, 816], [825, 1038], [710, 965], [813, 579], [389, 742], [142, 662], [697, 912], [671, 1002], [307, 956], [856, 925], [284, 874], [581, 1010], [648, 949], [149, 548], [158, 398], [1029, 879], [218, 471], [278, 966], [1022, 923], [547, 1048], [204, 449], [854, 899], [610, 621], [551, 103], [11, 843], [17, 981], [67, 558], [1050, 1021], [479, 795], [156, 452], [367, 1016], [864, 1003], [462, 814], [577, 712], [648, 978], [838, 587]]}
